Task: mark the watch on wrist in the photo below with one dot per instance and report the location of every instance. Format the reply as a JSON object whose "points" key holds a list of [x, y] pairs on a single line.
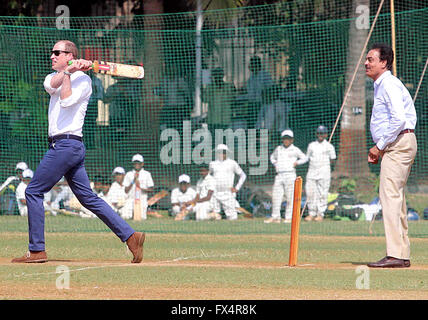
{"points": [[67, 73]]}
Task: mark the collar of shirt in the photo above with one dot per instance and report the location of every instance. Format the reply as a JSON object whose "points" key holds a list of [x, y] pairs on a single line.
{"points": [[382, 76]]}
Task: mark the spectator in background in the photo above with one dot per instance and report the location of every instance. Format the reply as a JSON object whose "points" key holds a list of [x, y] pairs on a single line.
{"points": [[285, 158], [320, 153], [258, 81], [220, 97], [273, 114], [205, 189], [19, 169], [64, 195], [224, 169], [117, 196], [177, 99], [138, 178], [27, 175], [182, 197]]}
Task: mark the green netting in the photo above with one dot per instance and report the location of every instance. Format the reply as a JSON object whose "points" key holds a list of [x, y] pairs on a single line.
{"points": [[307, 51]]}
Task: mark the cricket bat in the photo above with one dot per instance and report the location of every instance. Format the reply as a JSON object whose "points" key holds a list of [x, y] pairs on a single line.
{"points": [[137, 204], [158, 196], [117, 69], [247, 214]]}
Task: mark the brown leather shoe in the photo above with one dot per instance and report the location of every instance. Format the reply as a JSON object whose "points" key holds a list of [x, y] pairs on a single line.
{"points": [[135, 245], [32, 257], [390, 262]]}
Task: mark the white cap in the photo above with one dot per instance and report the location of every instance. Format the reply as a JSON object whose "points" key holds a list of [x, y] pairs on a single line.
{"points": [[137, 157], [21, 166], [222, 147], [288, 133], [118, 170], [28, 173], [184, 178]]}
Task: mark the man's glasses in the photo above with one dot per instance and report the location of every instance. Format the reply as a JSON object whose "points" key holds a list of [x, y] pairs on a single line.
{"points": [[58, 52]]}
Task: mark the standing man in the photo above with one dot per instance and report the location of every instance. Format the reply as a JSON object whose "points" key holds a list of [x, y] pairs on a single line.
{"points": [[224, 169], [70, 90], [392, 126], [320, 153], [285, 159]]}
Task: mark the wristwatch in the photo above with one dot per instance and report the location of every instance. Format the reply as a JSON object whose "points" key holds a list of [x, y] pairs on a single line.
{"points": [[67, 73]]}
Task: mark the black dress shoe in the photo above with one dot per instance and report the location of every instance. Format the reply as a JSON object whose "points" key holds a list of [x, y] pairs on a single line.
{"points": [[390, 262]]}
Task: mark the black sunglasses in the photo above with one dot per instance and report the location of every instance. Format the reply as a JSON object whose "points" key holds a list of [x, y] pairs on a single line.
{"points": [[58, 52]]}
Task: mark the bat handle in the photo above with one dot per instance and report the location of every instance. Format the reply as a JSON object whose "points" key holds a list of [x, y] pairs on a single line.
{"points": [[95, 65]]}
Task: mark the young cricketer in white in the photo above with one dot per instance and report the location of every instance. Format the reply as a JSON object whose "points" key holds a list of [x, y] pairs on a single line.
{"points": [[142, 178], [181, 198], [224, 169], [320, 153], [285, 158]]}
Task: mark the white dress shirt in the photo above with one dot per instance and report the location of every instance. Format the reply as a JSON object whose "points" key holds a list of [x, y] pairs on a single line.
{"points": [[224, 172], [393, 110], [66, 116], [284, 158]]}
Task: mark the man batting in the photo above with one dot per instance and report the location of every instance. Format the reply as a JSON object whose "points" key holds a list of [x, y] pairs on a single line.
{"points": [[70, 90], [392, 126]]}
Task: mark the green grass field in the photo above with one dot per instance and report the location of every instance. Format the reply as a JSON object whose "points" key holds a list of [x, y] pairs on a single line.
{"points": [[245, 259]]}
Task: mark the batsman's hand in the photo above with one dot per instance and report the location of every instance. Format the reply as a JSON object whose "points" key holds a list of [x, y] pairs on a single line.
{"points": [[79, 65]]}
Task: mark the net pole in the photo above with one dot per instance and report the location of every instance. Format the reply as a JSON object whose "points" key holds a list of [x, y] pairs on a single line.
{"points": [[394, 63], [356, 69], [295, 222], [420, 81]]}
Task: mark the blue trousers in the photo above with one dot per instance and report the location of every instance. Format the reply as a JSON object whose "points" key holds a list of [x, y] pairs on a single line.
{"points": [[66, 158]]}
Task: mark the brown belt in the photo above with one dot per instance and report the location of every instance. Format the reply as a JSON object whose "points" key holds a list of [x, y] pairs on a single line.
{"points": [[407, 131]]}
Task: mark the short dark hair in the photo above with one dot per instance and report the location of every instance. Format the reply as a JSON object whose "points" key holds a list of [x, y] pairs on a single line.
{"points": [[385, 53]]}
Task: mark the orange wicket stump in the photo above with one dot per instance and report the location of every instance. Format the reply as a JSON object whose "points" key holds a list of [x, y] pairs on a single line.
{"points": [[295, 222]]}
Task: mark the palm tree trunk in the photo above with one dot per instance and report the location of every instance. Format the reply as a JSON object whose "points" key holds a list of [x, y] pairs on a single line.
{"points": [[352, 159], [147, 118]]}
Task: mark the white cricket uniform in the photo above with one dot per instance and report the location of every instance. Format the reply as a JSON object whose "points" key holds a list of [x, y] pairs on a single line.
{"points": [[202, 209], [117, 195], [7, 182], [318, 176], [20, 195], [64, 195], [224, 172], [146, 181], [283, 160], [177, 196]]}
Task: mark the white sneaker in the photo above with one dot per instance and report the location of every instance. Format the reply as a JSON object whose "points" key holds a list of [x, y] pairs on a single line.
{"points": [[273, 220], [287, 220]]}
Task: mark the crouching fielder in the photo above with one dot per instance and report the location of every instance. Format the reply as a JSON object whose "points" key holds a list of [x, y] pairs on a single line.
{"points": [[205, 189], [181, 198], [320, 153], [224, 170]]}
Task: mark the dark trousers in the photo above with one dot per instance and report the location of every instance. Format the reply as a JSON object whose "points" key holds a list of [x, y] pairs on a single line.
{"points": [[66, 158]]}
